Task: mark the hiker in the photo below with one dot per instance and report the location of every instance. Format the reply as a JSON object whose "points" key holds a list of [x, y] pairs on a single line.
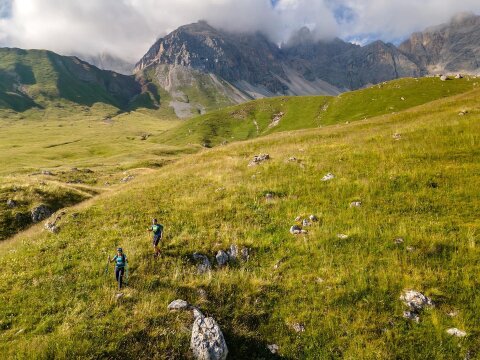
{"points": [[120, 261], [157, 230]]}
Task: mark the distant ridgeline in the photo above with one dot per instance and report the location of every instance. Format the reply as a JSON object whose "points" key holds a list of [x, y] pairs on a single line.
{"points": [[198, 68]]}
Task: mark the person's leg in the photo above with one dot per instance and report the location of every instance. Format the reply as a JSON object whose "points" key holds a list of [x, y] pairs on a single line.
{"points": [[120, 275], [117, 273]]}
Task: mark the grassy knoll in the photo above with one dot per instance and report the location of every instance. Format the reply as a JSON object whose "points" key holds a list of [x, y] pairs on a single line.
{"points": [[83, 154], [254, 119], [56, 302]]}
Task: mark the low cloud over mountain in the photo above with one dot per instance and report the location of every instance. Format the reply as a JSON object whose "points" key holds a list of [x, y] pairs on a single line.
{"points": [[126, 28]]}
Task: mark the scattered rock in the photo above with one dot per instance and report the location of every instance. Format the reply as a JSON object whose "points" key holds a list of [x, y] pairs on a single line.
{"points": [[298, 327], [293, 159], [276, 119], [269, 196], [456, 332], [207, 342], [203, 263], [411, 316], [313, 218], [119, 296], [233, 252], [144, 137], [40, 213], [298, 219], [319, 280], [355, 204], [178, 304], [273, 348], [443, 78], [258, 159], [11, 203], [87, 171], [306, 223], [463, 113], [402, 98], [328, 177], [52, 223], [46, 172], [398, 241], [342, 236], [459, 76], [127, 179], [222, 258], [410, 248], [295, 230], [397, 136], [245, 254], [415, 300]]}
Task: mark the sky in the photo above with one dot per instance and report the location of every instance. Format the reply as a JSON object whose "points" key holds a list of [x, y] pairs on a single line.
{"points": [[127, 28]]}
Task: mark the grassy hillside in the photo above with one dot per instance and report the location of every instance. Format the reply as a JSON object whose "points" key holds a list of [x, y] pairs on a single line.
{"points": [[40, 79], [56, 301], [255, 118]]}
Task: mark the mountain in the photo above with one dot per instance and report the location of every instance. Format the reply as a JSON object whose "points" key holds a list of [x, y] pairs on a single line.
{"points": [[203, 68], [232, 67], [452, 47], [40, 78]]}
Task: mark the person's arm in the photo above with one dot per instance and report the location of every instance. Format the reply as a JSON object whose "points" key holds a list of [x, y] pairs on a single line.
{"points": [[113, 259]]}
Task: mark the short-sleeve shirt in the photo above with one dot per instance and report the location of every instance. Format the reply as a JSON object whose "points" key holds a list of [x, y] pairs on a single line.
{"points": [[157, 229], [120, 261]]}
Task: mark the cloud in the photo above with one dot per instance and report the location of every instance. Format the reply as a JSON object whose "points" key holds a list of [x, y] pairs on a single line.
{"points": [[127, 28]]}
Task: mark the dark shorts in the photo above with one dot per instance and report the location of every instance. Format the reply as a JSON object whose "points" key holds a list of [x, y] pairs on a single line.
{"points": [[156, 239]]}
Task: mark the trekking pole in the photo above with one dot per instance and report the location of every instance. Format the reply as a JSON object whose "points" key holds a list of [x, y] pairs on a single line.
{"points": [[108, 265]]}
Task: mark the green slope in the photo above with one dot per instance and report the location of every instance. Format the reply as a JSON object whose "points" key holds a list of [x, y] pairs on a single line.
{"points": [[40, 79], [252, 119], [57, 303]]}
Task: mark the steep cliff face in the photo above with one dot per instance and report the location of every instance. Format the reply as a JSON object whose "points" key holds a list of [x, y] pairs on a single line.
{"points": [[452, 47], [233, 57], [201, 67]]}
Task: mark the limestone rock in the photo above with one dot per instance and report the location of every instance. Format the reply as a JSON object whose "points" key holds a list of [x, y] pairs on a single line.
{"points": [[233, 252], [355, 204], [313, 218], [328, 177], [258, 159], [40, 213], [222, 258], [52, 223], [178, 304], [415, 300], [298, 327], [410, 315], [273, 348], [456, 332], [295, 230], [443, 78], [342, 236], [127, 179], [398, 241], [245, 254], [11, 203], [207, 342], [203, 263]]}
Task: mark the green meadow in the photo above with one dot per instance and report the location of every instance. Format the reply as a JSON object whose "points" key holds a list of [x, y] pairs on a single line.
{"points": [[412, 163]]}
